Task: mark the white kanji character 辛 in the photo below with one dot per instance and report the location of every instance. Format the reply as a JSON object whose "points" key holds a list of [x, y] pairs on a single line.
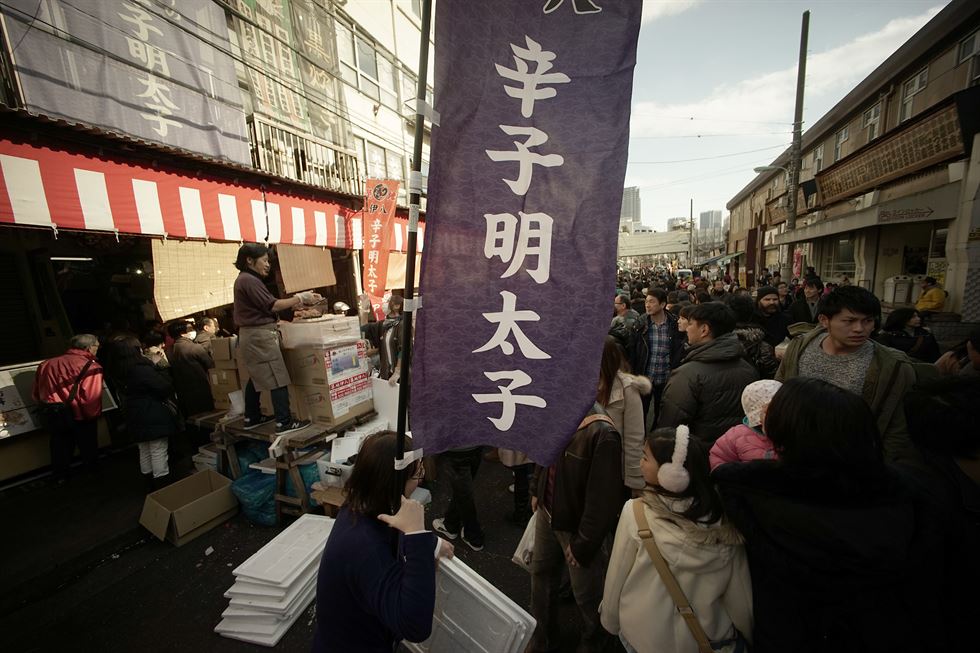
{"points": [[506, 321], [530, 90], [509, 401], [503, 240], [524, 156], [141, 20]]}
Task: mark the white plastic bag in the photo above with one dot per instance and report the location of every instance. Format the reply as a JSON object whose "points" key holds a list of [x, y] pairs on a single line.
{"points": [[525, 548]]}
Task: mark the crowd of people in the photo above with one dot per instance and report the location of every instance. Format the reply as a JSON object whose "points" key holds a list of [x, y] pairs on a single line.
{"points": [[775, 471], [770, 471]]}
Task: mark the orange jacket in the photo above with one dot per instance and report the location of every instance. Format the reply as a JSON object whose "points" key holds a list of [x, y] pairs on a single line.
{"points": [[56, 376], [932, 300]]}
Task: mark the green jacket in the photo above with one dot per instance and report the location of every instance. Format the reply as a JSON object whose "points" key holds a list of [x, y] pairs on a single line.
{"points": [[890, 376]]}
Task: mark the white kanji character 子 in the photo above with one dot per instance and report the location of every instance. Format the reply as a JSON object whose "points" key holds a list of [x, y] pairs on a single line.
{"points": [[509, 401], [524, 156], [506, 321], [503, 240], [530, 90]]}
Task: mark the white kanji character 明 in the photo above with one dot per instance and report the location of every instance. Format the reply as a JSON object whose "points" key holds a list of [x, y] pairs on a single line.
{"points": [[530, 91], [503, 240], [509, 401], [524, 156], [507, 320]]}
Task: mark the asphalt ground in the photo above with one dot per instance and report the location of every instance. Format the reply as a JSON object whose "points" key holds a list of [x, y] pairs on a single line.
{"points": [[78, 573]]}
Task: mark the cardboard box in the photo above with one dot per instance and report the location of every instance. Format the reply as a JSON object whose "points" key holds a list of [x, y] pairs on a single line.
{"points": [[325, 331], [324, 365], [337, 403], [226, 364], [189, 507], [219, 377], [223, 349]]}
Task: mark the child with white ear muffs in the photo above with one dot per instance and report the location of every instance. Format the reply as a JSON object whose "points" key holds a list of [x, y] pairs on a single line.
{"points": [[675, 549]]}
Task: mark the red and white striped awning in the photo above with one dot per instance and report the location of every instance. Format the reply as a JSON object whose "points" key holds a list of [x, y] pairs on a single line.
{"points": [[47, 187]]}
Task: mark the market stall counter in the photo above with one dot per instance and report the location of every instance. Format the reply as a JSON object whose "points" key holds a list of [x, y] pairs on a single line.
{"points": [[289, 451]]}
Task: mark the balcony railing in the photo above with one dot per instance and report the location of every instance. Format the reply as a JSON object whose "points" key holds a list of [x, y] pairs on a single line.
{"points": [[286, 153]]}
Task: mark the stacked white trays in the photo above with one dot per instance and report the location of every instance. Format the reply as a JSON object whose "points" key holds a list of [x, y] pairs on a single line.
{"points": [[274, 586], [472, 615]]}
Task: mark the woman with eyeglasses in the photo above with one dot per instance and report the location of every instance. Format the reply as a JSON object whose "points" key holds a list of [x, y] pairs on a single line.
{"points": [[376, 584]]}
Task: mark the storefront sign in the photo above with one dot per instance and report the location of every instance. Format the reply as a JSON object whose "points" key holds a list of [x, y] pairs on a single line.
{"points": [[526, 176], [904, 215], [932, 140], [379, 209], [133, 66]]}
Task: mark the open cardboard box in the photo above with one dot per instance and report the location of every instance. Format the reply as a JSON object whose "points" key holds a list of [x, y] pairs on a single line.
{"points": [[191, 506]]}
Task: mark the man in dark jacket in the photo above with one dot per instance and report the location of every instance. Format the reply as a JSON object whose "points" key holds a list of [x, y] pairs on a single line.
{"points": [[579, 497], [770, 316], [807, 308], [53, 384], [705, 391], [658, 348], [189, 365], [206, 332]]}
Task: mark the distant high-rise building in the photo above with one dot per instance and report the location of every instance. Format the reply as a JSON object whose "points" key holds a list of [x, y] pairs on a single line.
{"points": [[630, 213], [710, 220], [673, 224]]}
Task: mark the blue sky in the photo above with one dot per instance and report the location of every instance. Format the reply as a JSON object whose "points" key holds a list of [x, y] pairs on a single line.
{"points": [[716, 81]]}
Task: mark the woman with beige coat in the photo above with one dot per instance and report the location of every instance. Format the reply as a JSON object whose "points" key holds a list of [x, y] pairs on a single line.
{"points": [[620, 395]]}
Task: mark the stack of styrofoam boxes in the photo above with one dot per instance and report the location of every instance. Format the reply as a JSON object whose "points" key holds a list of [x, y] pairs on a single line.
{"points": [[472, 615], [334, 470], [328, 367], [207, 457], [274, 586]]}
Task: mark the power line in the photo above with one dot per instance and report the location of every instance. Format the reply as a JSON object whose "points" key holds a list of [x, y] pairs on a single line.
{"points": [[692, 118], [687, 180], [709, 158], [732, 135]]}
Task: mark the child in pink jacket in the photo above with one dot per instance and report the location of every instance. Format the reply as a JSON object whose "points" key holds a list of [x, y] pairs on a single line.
{"points": [[746, 441]]}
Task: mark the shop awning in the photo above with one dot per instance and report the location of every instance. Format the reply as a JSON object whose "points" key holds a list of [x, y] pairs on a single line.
{"points": [[59, 189], [728, 257]]}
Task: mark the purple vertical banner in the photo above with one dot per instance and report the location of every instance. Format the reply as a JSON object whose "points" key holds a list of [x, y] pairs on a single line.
{"points": [[524, 196]]}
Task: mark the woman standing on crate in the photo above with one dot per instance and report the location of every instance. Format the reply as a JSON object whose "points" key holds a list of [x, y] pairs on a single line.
{"points": [[255, 315], [376, 585]]}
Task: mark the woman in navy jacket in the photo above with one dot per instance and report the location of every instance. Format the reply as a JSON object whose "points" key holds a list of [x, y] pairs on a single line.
{"points": [[376, 584]]}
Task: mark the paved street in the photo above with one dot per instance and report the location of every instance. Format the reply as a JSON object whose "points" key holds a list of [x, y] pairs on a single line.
{"points": [[77, 570]]}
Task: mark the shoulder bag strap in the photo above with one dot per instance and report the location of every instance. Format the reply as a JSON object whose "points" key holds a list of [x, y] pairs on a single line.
{"points": [[676, 593], [590, 419], [78, 381]]}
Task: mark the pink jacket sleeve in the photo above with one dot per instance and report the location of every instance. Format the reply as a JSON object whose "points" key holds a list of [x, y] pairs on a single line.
{"points": [[725, 449]]}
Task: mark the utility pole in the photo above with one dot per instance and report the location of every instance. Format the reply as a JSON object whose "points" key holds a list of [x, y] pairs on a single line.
{"points": [[690, 223], [795, 153]]}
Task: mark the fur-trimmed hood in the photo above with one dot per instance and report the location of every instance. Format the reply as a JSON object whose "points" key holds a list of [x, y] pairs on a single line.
{"points": [[641, 383]]}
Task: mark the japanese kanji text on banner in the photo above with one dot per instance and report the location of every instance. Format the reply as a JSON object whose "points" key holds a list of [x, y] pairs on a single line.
{"points": [[526, 177], [379, 209]]}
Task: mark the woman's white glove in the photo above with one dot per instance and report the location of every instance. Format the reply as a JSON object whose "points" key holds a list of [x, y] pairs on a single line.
{"points": [[309, 297]]}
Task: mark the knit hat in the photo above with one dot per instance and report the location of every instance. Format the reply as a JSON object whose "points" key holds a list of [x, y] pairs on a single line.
{"points": [[756, 397], [765, 290]]}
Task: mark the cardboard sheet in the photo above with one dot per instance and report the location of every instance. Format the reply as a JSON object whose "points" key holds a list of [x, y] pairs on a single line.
{"points": [[304, 267], [191, 276]]}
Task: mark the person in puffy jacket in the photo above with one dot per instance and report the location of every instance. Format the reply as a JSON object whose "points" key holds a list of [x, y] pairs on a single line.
{"points": [[747, 441], [705, 391], [845, 553]]}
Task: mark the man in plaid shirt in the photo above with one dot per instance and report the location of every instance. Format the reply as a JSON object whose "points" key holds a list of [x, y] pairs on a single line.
{"points": [[659, 348]]}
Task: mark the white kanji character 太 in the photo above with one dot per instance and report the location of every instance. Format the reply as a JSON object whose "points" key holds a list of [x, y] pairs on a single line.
{"points": [[509, 401], [506, 321]]}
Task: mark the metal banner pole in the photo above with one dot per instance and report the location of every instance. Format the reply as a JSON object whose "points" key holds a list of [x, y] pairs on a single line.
{"points": [[415, 193]]}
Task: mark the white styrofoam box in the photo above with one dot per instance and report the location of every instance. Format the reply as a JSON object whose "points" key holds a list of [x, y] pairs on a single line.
{"points": [[295, 600], [227, 630], [328, 330], [266, 466], [471, 615], [385, 400], [343, 448], [209, 451], [202, 463], [236, 614], [333, 474], [287, 556], [246, 588]]}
